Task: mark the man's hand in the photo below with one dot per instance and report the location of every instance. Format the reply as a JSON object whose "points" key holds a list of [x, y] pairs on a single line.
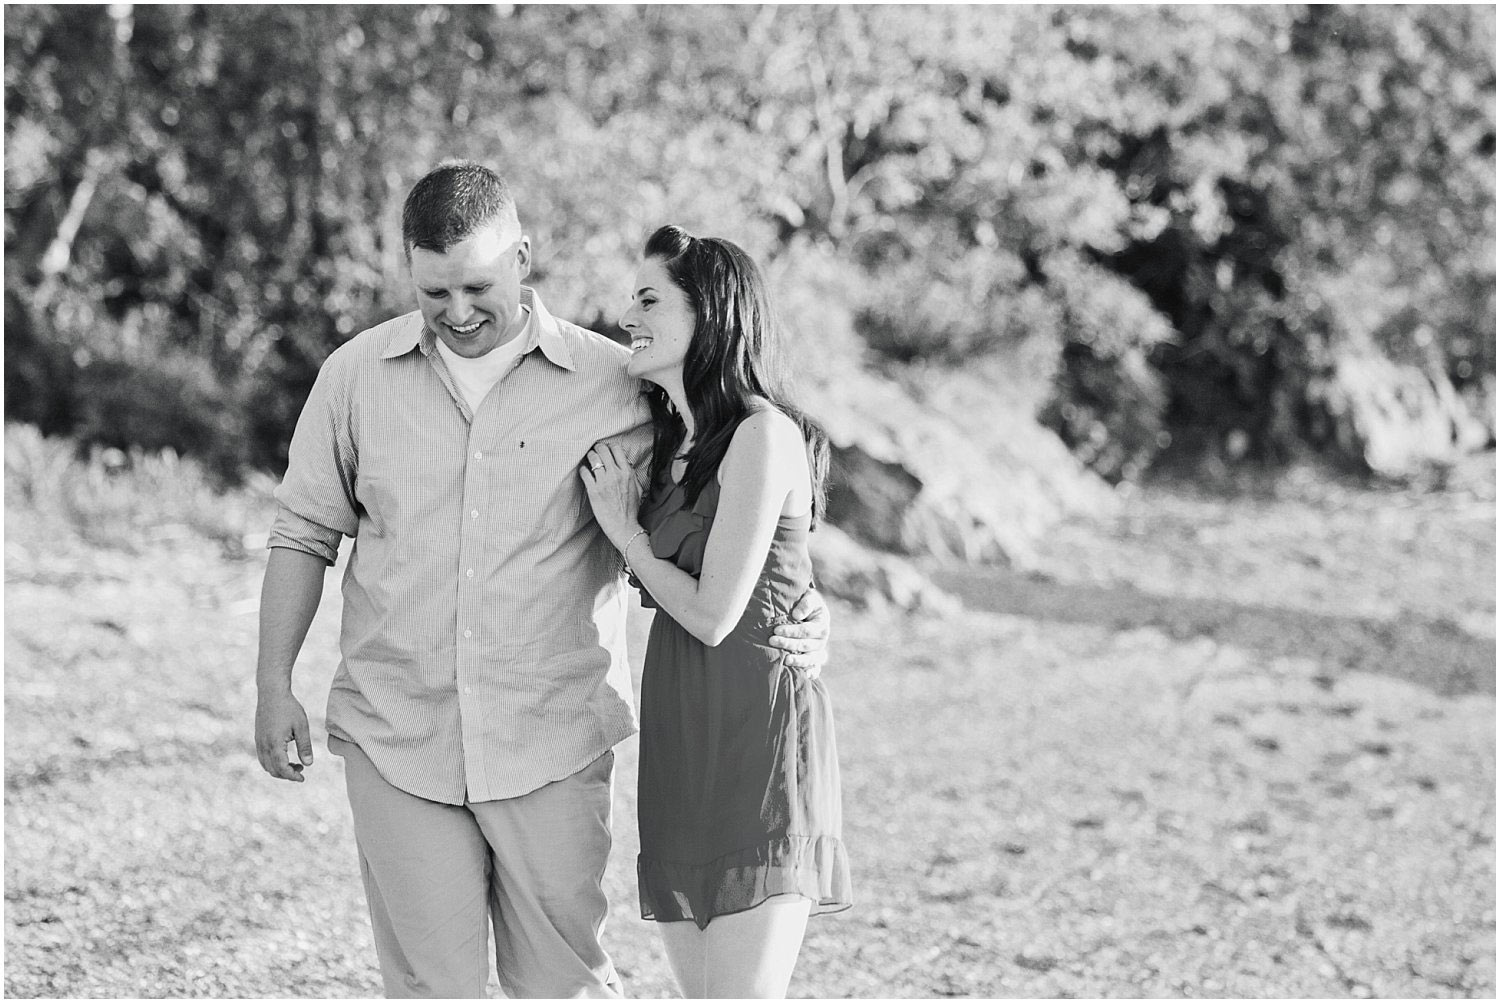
{"points": [[280, 719], [806, 639]]}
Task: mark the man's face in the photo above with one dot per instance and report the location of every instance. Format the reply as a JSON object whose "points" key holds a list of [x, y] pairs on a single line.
{"points": [[470, 295]]}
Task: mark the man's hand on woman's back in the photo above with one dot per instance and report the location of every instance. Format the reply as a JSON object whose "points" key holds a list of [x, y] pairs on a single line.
{"points": [[805, 639]]}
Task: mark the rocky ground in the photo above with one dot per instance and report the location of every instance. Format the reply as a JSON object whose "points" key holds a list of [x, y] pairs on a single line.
{"points": [[1220, 746]]}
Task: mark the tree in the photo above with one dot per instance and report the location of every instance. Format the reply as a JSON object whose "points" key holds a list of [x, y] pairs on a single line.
{"points": [[1173, 220]]}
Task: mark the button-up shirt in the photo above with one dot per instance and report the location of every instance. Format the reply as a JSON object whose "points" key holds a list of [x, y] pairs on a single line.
{"points": [[483, 634]]}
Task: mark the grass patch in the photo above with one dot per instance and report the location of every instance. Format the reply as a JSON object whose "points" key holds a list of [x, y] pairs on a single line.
{"points": [[124, 500]]}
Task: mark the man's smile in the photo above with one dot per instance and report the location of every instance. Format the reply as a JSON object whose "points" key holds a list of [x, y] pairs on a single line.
{"points": [[468, 328]]}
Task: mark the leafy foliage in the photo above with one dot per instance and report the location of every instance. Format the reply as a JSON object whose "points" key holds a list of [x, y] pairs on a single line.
{"points": [[1192, 211]]}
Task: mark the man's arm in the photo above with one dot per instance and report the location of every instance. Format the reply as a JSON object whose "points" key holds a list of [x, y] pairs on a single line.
{"points": [[289, 598]]}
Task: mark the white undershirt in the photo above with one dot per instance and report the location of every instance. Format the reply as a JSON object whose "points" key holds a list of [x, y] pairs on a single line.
{"points": [[475, 378]]}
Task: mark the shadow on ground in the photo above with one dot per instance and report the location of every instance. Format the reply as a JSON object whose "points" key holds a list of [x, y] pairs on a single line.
{"points": [[1435, 653]]}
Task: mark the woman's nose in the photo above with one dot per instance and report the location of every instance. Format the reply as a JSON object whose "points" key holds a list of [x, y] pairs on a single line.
{"points": [[627, 320]]}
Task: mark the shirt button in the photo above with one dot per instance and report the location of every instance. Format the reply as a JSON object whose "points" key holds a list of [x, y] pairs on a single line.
{"points": [[479, 455], [474, 514], [468, 633], [468, 689], [469, 573]]}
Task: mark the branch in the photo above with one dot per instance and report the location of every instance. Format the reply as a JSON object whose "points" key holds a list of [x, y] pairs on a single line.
{"points": [[205, 224], [762, 24], [60, 251], [832, 136]]}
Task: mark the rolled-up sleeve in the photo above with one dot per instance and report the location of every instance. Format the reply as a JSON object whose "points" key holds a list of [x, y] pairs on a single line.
{"points": [[316, 500], [635, 443]]}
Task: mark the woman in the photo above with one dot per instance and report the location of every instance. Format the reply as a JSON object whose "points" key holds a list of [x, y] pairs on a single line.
{"points": [[739, 786]]}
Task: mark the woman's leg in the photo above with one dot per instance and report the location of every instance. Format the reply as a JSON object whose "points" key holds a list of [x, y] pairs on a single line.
{"points": [[686, 952], [751, 954]]}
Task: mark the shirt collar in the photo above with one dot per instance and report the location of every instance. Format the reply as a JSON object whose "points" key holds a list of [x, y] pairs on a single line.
{"points": [[541, 331], [548, 333]]}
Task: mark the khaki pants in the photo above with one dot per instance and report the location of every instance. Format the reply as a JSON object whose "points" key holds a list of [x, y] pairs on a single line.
{"points": [[436, 875]]}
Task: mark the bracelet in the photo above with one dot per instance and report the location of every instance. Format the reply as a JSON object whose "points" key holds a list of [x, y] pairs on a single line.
{"points": [[625, 550]]}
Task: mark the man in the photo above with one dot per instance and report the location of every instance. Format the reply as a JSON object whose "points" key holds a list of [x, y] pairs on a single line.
{"points": [[483, 679]]}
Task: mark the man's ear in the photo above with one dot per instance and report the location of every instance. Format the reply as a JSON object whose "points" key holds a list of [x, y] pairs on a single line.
{"points": [[523, 257]]}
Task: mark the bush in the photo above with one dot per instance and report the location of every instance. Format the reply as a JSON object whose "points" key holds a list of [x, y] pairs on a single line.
{"points": [[173, 403], [126, 499]]}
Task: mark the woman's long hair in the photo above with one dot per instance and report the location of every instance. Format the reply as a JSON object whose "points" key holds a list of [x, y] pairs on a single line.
{"points": [[735, 355]]}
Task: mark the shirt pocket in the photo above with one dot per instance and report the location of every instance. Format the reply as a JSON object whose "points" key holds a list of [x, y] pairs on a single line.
{"points": [[541, 493]]}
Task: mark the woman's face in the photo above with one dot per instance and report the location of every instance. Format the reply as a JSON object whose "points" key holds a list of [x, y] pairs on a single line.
{"points": [[660, 323]]}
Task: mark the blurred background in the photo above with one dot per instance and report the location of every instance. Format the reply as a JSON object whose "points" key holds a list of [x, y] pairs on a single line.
{"points": [[1156, 344]]}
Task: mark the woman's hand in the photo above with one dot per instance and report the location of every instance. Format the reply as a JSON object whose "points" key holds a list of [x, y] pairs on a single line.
{"points": [[613, 492]]}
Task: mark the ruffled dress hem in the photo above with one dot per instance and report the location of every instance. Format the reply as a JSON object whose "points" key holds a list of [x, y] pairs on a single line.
{"points": [[814, 867]]}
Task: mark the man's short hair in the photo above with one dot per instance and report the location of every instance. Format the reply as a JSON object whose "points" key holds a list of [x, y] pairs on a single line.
{"points": [[450, 203]]}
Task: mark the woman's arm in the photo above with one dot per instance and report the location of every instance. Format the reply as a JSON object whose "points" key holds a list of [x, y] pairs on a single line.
{"points": [[765, 463]]}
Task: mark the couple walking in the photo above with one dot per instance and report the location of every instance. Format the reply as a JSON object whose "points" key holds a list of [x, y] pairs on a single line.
{"points": [[488, 459]]}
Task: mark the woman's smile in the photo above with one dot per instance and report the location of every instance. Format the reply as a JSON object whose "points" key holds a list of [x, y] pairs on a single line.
{"points": [[660, 305]]}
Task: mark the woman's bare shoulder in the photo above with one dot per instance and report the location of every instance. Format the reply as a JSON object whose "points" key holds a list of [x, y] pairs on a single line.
{"points": [[768, 428], [768, 450]]}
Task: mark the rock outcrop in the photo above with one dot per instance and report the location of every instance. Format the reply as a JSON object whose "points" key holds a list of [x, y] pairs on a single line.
{"points": [[936, 465], [869, 579], [1396, 420], [946, 467]]}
